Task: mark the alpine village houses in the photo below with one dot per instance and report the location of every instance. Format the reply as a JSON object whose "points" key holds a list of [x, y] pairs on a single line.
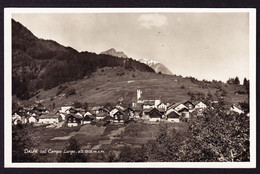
{"points": [[150, 111]]}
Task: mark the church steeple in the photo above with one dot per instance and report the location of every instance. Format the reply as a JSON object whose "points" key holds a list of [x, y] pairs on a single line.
{"points": [[139, 92]]}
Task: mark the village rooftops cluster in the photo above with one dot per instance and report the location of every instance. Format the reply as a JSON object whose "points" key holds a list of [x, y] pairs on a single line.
{"points": [[33, 115], [147, 110]]}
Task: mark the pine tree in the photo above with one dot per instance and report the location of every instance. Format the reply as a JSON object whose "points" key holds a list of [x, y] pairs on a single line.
{"points": [[236, 81]]}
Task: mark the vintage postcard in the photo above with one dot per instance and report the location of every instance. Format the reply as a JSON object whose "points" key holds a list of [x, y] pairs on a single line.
{"points": [[130, 87]]}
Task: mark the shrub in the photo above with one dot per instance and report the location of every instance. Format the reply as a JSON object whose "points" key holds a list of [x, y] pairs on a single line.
{"points": [[70, 91], [245, 106], [106, 123], [233, 81], [240, 92], [85, 105], [60, 89], [78, 104], [182, 87], [99, 124], [224, 93], [93, 123], [120, 73]]}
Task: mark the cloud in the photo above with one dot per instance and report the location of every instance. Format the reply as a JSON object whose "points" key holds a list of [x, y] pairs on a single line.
{"points": [[152, 20]]}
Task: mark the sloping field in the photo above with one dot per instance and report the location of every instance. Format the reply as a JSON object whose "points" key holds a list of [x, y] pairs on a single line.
{"points": [[107, 86], [89, 134]]}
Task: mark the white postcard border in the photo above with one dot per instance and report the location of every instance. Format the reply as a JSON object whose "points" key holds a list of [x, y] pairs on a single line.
{"points": [[8, 87]]}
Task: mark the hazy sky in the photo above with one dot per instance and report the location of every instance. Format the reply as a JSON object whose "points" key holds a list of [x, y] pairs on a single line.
{"points": [[202, 45]]}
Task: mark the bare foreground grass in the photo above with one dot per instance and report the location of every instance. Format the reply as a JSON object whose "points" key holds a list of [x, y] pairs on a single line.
{"points": [[110, 139]]}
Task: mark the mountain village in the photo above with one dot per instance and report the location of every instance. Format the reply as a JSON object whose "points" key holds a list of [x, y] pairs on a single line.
{"points": [[148, 110]]}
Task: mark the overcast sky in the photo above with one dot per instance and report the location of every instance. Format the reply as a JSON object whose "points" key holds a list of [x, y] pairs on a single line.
{"points": [[202, 45]]}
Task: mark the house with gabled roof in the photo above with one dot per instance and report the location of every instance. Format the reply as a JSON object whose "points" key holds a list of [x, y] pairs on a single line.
{"points": [[130, 112], [173, 116], [148, 104], [120, 107], [87, 114], [24, 120], [73, 120], [236, 109], [32, 119], [189, 105], [95, 109], [65, 109], [16, 118], [162, 106], [119, 116], [104, 110], [112, 112], [101, 115], [62, 116], [16, 121], [177, 106], [79, 114], [72, 110], [87, 119], [184, 113], [155, 115], [146, 112], [200, 105]]}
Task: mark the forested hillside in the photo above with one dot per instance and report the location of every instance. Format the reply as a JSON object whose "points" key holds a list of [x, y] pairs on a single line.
{"points": [[39, 63]]}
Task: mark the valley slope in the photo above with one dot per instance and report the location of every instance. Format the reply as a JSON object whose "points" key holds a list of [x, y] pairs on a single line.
{"points": [[109, 85]]}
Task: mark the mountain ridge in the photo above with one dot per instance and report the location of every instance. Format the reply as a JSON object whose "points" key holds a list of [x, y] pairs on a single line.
{"points": [[156, 66], [115, 53], [39, 63]]}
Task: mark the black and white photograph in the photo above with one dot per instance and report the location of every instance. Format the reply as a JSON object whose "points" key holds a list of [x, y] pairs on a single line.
{"points": [[114, 87]]}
